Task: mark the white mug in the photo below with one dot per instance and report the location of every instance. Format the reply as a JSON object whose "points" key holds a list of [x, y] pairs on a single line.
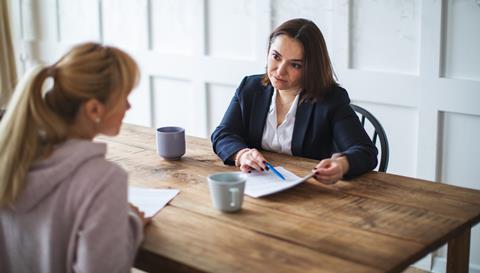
{"points": [[226, 190]]}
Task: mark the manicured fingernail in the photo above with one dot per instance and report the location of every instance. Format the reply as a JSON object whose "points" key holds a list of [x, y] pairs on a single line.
{"points": [[249, 171], [264, 162], [266, 168]]}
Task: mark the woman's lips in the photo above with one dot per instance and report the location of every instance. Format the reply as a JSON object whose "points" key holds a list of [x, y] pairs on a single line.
{"points": [[280, 80]]}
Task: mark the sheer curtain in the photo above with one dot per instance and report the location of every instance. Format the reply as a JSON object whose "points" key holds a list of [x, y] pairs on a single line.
{"points": [[8, 74]]}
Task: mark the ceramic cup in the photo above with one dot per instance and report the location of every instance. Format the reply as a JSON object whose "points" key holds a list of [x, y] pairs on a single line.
{"points": [[226, 190], [171, 142]]}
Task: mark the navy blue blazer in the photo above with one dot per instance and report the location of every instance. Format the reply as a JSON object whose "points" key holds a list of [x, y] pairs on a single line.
{"points": [[321, 128]]}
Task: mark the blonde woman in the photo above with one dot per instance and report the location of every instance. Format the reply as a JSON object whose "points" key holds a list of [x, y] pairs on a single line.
{"points": [[63, 206]]}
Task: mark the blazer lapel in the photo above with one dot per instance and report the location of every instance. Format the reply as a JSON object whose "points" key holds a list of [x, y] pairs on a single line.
{"points": [[302, 119], [258, 117]]}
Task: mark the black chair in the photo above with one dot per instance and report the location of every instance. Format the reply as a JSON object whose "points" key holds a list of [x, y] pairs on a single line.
{"points": [[377, 133]]}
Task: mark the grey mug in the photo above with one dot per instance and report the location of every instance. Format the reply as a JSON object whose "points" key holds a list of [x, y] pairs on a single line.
{"points": [[171, 142]]}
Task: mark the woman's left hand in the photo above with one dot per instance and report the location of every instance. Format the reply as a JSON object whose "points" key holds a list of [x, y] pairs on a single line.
{"points": [[329, 171], [141, 214]]}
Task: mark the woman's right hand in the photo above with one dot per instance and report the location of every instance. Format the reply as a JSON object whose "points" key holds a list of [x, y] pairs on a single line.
{"points": [[250, 160], [141, 214]]}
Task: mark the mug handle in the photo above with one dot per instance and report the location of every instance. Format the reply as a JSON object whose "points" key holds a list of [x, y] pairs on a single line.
{"points": [[234, 196]]}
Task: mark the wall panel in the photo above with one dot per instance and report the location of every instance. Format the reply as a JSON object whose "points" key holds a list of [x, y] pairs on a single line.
{"points": [[320, 12], [125, 23], [172, 102], [173, 25], [231, 28], [47, 28], [385, 35], [79, 21], [219, 97], [141, 104], [460, 149], [462, 40], [402, 136]]}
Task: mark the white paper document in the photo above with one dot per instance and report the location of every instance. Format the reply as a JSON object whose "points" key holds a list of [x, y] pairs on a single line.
{"points": [[150, 200], [265, 183]]}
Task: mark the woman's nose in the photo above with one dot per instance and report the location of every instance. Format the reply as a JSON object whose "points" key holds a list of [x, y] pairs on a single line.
{"points": [[282, 68]]}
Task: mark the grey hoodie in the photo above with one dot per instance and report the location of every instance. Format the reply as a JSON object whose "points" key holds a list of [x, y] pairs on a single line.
{"points": [[72, 216]]}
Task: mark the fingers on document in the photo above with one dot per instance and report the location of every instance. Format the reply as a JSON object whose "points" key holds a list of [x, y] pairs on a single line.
{"points": [[255, 160], [327, 172]]}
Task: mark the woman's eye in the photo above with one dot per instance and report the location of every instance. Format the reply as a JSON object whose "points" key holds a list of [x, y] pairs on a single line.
{"points": [[276, 56], [296, 66]]}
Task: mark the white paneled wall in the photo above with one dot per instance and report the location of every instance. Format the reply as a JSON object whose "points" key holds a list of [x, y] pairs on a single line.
{"points": [[174, 36], [142, 103], [320, 12], [121, 19], [231, 29], [462, 58], [403, 135], [179, 93], [218, 102], [77, 20], [385, 36], [413, 63]]}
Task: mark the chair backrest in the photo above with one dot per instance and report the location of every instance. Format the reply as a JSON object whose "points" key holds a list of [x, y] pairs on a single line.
{"points": [[378, 133]]}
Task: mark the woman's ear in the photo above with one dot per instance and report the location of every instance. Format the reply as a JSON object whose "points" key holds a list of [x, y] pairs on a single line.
{"points": [[94, 110]]}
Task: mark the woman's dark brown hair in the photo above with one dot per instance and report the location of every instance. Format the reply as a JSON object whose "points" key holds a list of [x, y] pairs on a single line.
{"points": [[318, 75]]}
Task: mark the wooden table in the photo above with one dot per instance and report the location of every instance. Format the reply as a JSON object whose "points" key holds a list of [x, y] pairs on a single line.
{"points": [[376, 223]]}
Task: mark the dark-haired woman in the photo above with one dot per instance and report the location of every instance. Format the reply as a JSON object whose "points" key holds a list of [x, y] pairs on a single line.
{"points": [[295, 108]]}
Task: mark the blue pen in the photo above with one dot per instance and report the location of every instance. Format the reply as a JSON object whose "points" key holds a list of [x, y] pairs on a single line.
{"points": [[274, 171]]}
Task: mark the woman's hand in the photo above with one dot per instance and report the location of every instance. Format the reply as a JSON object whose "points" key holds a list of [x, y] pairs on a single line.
{"points": [[329, 171], [250, 159], [141, 214]]}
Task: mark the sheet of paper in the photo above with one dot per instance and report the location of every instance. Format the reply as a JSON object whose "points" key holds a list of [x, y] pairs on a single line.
{"points": [[149, 200], [265, 183]]}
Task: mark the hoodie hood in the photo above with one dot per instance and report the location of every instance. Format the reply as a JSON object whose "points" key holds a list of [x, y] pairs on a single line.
{"points": [[46, 175]]}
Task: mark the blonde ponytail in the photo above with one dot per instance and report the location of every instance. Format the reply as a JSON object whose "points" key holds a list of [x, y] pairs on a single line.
{"points": [[18, 141], [36, 120]]}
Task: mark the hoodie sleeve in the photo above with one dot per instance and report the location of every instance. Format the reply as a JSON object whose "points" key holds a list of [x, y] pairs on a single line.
{"points": [[110, 233]]}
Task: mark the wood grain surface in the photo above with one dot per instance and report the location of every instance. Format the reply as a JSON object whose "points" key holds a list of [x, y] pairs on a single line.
{"points": [[375, 223]]}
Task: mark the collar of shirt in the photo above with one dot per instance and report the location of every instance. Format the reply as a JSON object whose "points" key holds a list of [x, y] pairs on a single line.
{"points": [[272, 111], [279, 138]]}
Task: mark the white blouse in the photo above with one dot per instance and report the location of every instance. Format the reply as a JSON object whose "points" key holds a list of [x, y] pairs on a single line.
{"points": [[279, 139]]}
